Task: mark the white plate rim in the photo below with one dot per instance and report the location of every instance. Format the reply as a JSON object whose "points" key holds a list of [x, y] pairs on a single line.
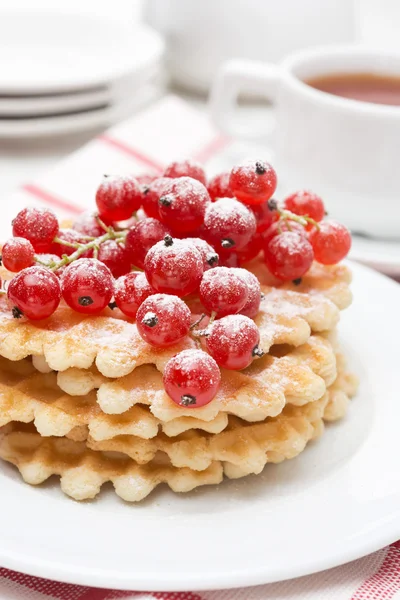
{"points": [[41, 106], [367, 541], [383, 255], [89, 119], [188, 582], [151, 41]]}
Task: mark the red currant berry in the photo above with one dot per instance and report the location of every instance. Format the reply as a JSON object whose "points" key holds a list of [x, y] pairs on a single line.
{"points": [[114, 255], [35, 292], [186, 168], [174, 267], [152, 194], [18, 254], [252, 306], [331, 242], [38, 225], [191, 378], [228, 259], [264, 216], [71, 237], [163, 320], [289, 255], [208, 254], [229, 225], [118, 198], [130, 291], [146, 178], [222, 291], [184, 206], [251, 250], [87, 285], [218, 187], [141, 237], [87, 224], [253, 182], [50, 260], [233, 342], [140, 215], [305, 203], [280, 227]]}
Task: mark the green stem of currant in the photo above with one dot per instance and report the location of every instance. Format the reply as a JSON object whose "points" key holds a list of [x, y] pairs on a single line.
{"points": [[212, 318], [88, 238], [199, 320], [303, 220], [82, 248], [197, 333], [65, 243], [101, 223], [41, 262]]}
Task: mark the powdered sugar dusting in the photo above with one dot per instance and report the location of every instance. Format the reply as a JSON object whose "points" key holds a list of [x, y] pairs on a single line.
{"points": [[185, 203], [290, 243], [87, 224], [222, 291], [186, 168], [88, 272], [118, 184], [247, 171], [205, 250], [181, 265], [224, 208], [198, 362], [108, 333], [227, 218], [288, 305], [250, 309]]}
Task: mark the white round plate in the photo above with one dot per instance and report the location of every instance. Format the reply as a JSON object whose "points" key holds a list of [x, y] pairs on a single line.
{"points": [[28, 106], [44, 52], [91, 119], [379, 254], [64, 124], [337, 501]]}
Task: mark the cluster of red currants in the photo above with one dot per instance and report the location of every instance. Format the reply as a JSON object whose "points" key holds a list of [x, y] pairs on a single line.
{"points": [[177, 230]]}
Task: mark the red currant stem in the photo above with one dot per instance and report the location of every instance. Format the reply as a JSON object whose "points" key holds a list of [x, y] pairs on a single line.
{"points": [[101, 223], [193, 325], [96, 252], [196, 333], [287, 215], [82, 248], [212, 317]]}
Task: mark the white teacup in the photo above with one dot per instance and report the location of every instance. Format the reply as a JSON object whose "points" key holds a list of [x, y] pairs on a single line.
{"points": [[347, 151]]}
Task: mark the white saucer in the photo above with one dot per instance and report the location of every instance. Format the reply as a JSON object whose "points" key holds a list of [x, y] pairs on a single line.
{"points": [[91, 119], [337, 501], [28, 106], [379, 254], [45, 52]]}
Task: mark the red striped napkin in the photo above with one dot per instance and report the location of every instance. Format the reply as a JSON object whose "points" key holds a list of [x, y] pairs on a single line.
{"points": [[171, 130]]}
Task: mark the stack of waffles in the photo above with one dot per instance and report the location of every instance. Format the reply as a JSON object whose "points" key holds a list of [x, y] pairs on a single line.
{"points": [[83, 398]]}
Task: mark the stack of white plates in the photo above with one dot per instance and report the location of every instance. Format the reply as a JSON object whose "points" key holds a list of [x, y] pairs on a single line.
{"points": [[65, 73]]}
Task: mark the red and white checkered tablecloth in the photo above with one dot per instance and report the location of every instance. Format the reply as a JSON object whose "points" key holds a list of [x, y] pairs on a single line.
{"points": [[171, 130]]}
